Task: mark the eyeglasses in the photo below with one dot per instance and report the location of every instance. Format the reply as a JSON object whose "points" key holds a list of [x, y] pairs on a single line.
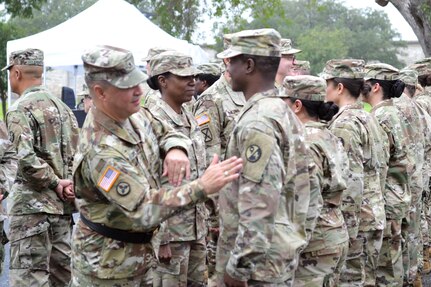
{"points": [[291, 58]]}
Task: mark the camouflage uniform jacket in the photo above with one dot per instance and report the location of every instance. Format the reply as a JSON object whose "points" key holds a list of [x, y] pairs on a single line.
{"points": [[332, 171], [424, 100], [8, 165], [363, 206], [148, 94], [397, 192], [190, 224], [116, 171], [263, 214], [44, 133], [215, 111], [419, 146]]}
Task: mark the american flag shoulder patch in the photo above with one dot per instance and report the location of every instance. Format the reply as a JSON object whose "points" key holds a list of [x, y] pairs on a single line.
{"points": [[203, 119], [108, 178]]}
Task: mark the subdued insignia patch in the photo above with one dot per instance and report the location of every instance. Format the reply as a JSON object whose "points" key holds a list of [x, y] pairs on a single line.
{"points": [[203, 119], [253, 153], [123, 188], [207, 135], [108, 178], [11, 137]]}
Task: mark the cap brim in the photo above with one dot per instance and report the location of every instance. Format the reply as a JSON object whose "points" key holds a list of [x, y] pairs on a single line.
{"points": [[229, 53], [7, 67], [185, 72], [130, 80], [326, 76], [291, 52]]}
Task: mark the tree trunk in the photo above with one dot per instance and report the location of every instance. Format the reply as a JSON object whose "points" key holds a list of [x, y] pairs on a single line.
{"points": [[418, 14]]}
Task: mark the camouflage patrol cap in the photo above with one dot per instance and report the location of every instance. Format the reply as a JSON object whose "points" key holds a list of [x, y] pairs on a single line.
{"points": [[409, 77], [304, 87], [286, 47], [174, 62], [302, 66], [381, 71], [27, 57], [260, 42], [344, 68], [114, 65], [155, 51], [210, 68], [227, 40], [423, 67]]}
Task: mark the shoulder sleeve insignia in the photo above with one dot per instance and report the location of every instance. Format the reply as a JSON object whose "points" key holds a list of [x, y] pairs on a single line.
{"points": [[203, 119], [253, 153], [207, 135], [123, 188], [108, 178]]}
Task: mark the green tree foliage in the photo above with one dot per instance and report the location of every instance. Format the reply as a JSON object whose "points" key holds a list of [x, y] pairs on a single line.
{"points": [[326, 29]]}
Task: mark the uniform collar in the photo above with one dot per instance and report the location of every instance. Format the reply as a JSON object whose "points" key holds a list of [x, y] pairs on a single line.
{"points": [[113, 126]]}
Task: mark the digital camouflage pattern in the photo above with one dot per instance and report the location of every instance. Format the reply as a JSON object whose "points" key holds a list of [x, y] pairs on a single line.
{"points": [[114, 65], [397, 192], [344, 68], [215, 111], [185, 232], [259, 42], [305, 87], [135, 201], [27, 57], [321, 262], [153, 52], [44, 133], [409, 77], [263, 214], [423, 67], [174, 62], [8, 168], [381, 71], [210, 68], [363, 205], [301, 67], [286, 47]]}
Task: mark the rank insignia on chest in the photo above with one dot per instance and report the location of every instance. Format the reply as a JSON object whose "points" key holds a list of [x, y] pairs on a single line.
{"points": [[203, 119], [108, 178]]}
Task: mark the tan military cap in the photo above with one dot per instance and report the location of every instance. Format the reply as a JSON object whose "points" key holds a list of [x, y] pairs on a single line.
{"points": [[381, 71], [423, 67], [210, 68], [174, 62], [409, 77], [114, 65], [287, 49], [343, 68], [154, 51], [260, 42], [27, 57], [304, 87]]}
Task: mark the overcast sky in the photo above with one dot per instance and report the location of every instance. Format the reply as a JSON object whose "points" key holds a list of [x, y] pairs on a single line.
{"points": [[397, 20]]}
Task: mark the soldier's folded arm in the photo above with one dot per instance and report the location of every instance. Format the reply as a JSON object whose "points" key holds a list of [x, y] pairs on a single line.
{"points": [[258, 199], [35, 170], [352, 196], [131, 191]]}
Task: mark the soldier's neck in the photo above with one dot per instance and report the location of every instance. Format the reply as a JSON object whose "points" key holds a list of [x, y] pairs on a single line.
{"points": [[256, 87]]}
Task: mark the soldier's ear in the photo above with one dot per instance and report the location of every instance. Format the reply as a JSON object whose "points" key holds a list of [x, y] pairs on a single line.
{"points": [[99, 92], [250, 65]]}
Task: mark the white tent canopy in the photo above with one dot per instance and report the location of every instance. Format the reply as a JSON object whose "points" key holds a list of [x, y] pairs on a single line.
{"points": [[107, 22]]}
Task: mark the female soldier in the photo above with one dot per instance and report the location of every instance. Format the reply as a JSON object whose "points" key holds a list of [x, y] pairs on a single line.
{"points": [[363, 205], [182, 251], [328, 246], [381, 88]]}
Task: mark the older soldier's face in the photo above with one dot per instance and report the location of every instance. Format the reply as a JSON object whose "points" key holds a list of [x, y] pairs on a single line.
{"points": [[122, 103]]}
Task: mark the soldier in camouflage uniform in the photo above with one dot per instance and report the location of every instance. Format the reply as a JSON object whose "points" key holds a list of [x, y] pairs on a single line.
{"points": [[44, 134], [215, 111], [263, 213], [382, 87], [208, 75], [183, 236], [118, 171], [8, 167], [321, 262], [415, 226], [149, 93], [287, 62], [423, 67], [363, 205], [301, 68]]}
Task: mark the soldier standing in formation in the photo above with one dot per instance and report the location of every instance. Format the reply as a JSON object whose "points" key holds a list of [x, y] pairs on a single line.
{"points": [[182, 252]]}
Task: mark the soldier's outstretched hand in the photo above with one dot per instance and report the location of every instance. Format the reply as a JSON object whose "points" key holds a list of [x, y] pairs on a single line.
{"points": [[218, 174]]}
